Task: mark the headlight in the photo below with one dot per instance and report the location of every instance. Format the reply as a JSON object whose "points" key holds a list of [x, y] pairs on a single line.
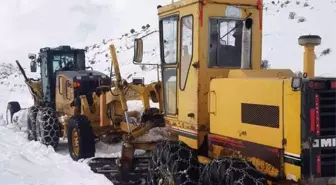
{"points": [[296, 83]]}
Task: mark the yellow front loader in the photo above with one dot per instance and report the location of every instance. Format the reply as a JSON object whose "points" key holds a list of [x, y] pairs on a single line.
{"points": [[81, 104]]}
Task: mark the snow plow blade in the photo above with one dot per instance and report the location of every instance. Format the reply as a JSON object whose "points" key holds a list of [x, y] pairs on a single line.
{"points": [[130, 168], [109, 167]]}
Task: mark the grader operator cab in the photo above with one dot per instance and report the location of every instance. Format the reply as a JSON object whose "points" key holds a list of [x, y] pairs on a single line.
{"points": [[231, 121], [74, 101]]}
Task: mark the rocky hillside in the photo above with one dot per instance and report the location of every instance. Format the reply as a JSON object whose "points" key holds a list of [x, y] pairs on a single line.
{"points": [[99, 57]]}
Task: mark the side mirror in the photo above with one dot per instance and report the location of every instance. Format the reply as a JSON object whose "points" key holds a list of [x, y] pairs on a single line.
{"points": [[32, 56], [33, 66], [138, 50], [248, 23]]}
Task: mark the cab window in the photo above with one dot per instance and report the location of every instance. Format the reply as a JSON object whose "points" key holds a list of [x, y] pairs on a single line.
{"points": [[225, 42], [169, 34], [169, 55], [63, 62], [186, 48]]}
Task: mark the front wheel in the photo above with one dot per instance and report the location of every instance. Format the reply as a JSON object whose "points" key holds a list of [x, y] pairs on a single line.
{"points": [[47, 127], [80, 138]]}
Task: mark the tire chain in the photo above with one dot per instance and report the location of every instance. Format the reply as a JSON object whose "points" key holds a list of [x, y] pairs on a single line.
{"points": [[175, 160], [47, 127], [230, 170]]}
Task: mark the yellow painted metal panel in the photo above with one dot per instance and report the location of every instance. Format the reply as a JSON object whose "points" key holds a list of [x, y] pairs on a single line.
{"points": [[227, 117], [187, 97], [212, 9], [292, 126], [190, 142], [292, 120], [292, 172]]}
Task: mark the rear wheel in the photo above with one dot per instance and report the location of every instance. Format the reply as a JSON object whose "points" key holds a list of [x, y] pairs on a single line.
{"points": [[80, 138], [47, 127], [227, 171], [173, 163], [12, 108]]}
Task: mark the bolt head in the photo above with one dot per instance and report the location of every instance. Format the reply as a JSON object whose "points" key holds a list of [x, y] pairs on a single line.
{"points": [[305, 40]]}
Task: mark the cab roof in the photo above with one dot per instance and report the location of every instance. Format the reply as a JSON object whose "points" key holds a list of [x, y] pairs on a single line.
{"points": [[60, 48], [181, 3]]}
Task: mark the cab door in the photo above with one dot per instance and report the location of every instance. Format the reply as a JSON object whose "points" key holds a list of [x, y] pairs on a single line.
{"points": [[188, 75], [169, 61], [179, 77]]}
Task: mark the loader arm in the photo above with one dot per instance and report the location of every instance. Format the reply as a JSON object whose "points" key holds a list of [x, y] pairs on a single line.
{"points": [[118, 83]]}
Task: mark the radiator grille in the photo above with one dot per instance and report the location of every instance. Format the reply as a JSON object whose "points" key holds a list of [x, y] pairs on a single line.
{"points": [[328, 162], [261, 115], [327, 112], [327, 103]]}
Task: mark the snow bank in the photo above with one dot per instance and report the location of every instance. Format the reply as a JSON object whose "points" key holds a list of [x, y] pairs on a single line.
{"points": [[31, 163]]}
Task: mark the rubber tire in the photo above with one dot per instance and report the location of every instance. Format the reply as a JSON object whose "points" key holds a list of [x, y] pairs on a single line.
{"points": [[31, 122], [12, 108], [229, 171], [47, 127], [174, 161], [87, 147]]}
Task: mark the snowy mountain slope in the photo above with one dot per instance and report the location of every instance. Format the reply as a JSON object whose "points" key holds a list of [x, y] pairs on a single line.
{"points": [[281, 30], [99, 57], [286, 21]]}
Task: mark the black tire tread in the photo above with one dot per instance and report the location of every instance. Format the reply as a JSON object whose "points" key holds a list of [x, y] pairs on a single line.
{"points": [[86, 137], [31, 122]]}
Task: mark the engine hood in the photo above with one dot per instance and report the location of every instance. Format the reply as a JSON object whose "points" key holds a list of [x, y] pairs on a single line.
{"points": [[82, 74]]}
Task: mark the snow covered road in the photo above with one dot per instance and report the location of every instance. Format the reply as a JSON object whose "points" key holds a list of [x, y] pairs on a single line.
{"points": [[31, 163]]}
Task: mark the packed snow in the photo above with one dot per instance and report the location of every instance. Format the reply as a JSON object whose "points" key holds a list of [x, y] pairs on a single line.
{"points": [[24, 162], [31, 163]]}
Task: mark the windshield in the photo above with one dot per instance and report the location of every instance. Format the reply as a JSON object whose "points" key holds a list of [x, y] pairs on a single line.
{"points": [[225, 39], [63, 61]]}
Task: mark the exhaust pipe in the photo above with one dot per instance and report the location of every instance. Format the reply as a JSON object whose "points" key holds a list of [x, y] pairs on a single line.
{"points": [[309, 42]]}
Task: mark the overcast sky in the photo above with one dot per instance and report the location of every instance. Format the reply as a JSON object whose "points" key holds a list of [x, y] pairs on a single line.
{"points": [[27, 25]]}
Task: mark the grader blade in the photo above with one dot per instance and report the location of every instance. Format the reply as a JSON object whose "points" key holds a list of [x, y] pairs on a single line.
{"points": [[109, 167]]}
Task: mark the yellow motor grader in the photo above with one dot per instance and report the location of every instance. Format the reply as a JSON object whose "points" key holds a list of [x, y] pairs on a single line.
{"points": [[232, 122], [81, 104]]}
